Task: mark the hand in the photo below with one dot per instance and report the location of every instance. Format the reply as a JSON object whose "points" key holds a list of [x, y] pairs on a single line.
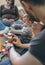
{"points": [[13, 25], [17, 41], [7, 45], [8, 20], [5, 19], [11, 20]]}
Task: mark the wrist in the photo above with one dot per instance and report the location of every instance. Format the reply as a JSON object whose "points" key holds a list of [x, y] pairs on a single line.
{"points": [[20, 45], [10, 48]]}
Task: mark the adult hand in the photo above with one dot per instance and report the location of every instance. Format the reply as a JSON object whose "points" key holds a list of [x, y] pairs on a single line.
{"points": [[8, 20], [11, 20], [5, 19], [17, 42]]}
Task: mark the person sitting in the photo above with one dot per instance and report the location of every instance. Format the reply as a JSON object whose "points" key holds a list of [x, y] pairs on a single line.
{"points": [[25, 30], [36, 53], [24, 34], [36, 28], [9, 13]]}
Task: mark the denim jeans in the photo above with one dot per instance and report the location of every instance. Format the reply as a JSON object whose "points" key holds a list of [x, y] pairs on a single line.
{"points": [[2, 26], [10, 23], [5, 62]]}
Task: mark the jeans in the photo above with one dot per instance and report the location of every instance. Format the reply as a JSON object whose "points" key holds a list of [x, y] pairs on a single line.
{"points": [[5, 62], [2, 26], [10, 23]]}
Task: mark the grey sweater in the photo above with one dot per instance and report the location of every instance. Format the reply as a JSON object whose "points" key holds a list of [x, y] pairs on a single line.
{"points": [[25, 32]]}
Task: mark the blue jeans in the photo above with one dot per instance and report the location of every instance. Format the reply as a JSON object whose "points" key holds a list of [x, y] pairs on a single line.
{"points": [[2, 26], [5, 62], [10, 23]]}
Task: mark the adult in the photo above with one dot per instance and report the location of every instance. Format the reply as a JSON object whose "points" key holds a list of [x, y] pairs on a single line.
{"points": [[36, 53], [9, 13]]}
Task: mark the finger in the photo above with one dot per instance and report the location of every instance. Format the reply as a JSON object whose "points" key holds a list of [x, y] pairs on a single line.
{"points": [[15, 38], [14, 42]]}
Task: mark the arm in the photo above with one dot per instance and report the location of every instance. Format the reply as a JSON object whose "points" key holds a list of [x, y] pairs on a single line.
{"points": [[29, 58], [26, 59], [17, 13], [16, 31], [25, 45], [19, 31], [18, 26], [19, 44]]}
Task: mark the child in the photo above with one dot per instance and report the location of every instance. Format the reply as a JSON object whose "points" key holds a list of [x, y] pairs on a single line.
{"points": [[24, 34], [25, 30]]}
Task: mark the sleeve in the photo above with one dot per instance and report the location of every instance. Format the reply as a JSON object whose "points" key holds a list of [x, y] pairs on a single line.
{"points": [[37, 47], [18, 26], [16, 13], [39, 38], [20, 31], [26, 31]]}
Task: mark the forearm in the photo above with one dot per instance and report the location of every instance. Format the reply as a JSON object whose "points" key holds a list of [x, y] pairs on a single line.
{"points": [[26, 59], [13, 56], [16, 31], [17, 17], [19, 26], [25, 45]]}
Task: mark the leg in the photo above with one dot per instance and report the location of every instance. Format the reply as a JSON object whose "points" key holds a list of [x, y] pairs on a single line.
{"points": [[2, 26], [7, 23], [18, 22], [5, 62]]}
